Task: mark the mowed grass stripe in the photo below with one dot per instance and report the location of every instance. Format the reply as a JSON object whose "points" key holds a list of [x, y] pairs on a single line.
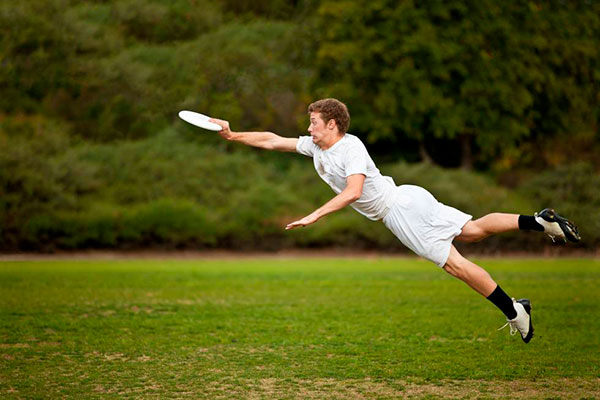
{"points": [[183, 327]]}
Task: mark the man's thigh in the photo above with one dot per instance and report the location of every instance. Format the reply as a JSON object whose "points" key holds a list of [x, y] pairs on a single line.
{"points": [[471, 232]]}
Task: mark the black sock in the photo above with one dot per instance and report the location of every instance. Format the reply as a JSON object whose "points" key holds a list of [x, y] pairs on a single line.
{"points": [[528, 222], [503, 302]]}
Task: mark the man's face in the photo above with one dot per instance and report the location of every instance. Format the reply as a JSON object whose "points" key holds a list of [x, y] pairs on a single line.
{"points": [[319, 129]]}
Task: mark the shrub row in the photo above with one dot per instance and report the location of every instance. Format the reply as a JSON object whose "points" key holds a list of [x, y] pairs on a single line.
{"points": [[177, 190]]}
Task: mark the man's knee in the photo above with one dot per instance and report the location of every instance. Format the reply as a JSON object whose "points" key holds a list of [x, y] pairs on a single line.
{"points": [[456, 264], [472, 232]]}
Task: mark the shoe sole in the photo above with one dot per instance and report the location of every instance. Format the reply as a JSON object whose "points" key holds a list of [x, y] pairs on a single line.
{"points": [[527, 306], [568, 228]]}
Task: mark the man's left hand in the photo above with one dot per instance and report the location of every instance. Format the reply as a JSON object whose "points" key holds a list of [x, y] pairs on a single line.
{"points": [[309, 219]]}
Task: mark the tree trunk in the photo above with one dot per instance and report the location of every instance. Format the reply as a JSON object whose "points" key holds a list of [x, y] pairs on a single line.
{"points": [[425, 157], [466, 156]]}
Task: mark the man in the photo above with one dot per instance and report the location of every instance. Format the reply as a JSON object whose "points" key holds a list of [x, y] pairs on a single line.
{"points": [[423, 224]]}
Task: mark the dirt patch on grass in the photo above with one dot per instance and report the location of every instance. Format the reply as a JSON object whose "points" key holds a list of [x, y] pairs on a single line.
{"points": [[564, 388], [14, 345]]}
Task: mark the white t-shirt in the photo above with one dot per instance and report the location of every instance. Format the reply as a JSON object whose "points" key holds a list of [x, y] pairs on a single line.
{"points": [[347, 157]]}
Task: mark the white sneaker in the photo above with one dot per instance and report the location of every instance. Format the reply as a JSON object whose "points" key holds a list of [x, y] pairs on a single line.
{"points": [[522, 322]]}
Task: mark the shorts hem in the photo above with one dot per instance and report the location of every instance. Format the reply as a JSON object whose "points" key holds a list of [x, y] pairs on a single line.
{"points": [[446, 255], [447, 250]]}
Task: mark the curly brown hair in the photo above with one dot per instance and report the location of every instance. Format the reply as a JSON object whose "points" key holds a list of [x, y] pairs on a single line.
{"points": [[332, 109]]}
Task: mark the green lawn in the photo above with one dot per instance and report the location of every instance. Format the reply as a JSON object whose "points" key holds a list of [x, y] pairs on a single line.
{"points": [[297, 328]]}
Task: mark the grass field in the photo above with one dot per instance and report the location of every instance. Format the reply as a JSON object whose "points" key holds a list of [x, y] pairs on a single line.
{"points": [[297, 328]]}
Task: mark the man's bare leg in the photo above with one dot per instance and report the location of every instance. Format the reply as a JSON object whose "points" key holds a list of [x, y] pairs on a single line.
{"points": [[490, 224], [518, 313], [546, 221], [470, 273]]}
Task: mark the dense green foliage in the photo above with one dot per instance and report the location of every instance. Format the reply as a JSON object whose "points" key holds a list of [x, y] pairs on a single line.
{"points": [[294, 329], [174, 190], [123, 69], [575, 190], [487, 74], [93, 155]]}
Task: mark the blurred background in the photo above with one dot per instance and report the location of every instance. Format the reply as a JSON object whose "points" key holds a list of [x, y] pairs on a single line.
{"points": [[492, 106]]}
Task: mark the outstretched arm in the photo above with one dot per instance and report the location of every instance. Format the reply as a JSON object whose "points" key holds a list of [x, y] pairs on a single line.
{"points": [[264, 140], [352, 192]]}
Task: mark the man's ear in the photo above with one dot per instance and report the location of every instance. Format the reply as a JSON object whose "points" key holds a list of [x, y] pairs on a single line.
{"points": [[331, 124]]}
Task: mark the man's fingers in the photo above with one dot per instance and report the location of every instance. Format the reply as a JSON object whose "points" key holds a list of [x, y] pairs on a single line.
{"points": [[223, 124], [301, 222], [293, 225]]}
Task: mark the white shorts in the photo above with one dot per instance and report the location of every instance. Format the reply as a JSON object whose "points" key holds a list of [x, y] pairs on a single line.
{"points": [[423, 224]]}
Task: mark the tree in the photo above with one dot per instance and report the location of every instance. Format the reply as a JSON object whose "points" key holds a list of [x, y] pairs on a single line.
{"points": [[471, 72], [34, 49]]}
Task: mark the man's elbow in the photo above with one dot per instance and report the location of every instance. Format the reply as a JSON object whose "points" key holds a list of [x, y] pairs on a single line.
{"points": [[272, 143], [355, 195]]}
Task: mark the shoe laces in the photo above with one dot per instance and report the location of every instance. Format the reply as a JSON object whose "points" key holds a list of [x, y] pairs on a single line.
{"points": [[553, 238], [512, 325]]}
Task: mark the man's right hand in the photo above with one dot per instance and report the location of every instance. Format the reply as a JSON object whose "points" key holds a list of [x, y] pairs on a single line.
{"points": [[225, 132]]}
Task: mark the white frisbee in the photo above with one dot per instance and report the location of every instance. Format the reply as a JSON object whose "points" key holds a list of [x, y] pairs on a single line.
{"points": [[199, 120]]}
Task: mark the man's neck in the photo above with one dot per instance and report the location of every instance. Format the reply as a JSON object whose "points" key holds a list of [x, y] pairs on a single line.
{"points": [[333, 139]]}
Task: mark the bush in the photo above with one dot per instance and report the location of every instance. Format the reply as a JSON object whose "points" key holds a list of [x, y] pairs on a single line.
{"points": [[29, 182], [167, 223], [162, 191], [574, 191], [176, 190], [471, 192]]}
